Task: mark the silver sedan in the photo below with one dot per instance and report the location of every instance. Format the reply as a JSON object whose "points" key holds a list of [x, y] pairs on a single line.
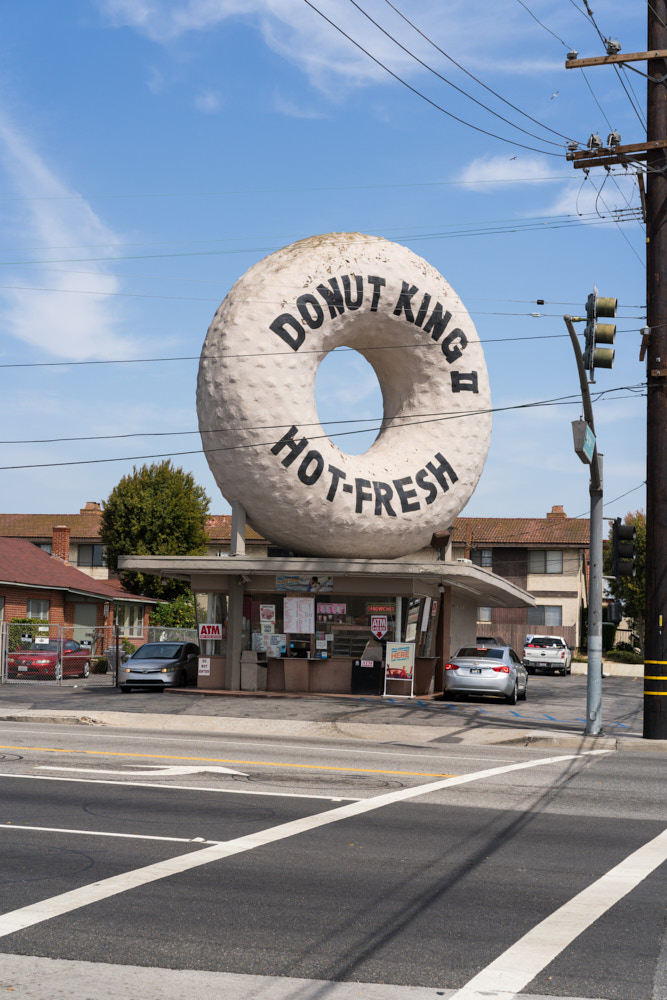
{"points": [[158, 665], [486, 670]]}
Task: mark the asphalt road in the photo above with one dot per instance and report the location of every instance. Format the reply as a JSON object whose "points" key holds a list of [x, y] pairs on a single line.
{"points": [[134, 863]]}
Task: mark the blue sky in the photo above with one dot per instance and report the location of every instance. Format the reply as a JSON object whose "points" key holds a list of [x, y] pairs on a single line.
{"points": [[152, 150]]}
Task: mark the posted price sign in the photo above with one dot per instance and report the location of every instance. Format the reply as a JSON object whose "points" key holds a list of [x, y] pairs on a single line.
{"points": [[379, 625]]}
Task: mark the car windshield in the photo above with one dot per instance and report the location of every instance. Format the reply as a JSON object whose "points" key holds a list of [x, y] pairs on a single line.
{"points": [[546, 641], [158, 651], [44, 647], [480, 652]]}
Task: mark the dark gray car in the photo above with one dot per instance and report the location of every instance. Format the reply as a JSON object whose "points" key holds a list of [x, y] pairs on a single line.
{"points": [[157, 665]]}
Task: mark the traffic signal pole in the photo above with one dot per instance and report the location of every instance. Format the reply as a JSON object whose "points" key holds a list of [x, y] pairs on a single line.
{"points": [[594, 671], [655, 664]]}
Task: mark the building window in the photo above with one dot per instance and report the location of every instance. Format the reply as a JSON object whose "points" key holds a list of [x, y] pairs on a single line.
{"points": [[130, 619], [44, 546], [91, 555], [483, 614], [545, 614], [545, 561], [482, 557], [37, 609]]}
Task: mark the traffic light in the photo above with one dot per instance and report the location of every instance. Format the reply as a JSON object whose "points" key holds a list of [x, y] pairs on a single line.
{"points": [[615, 612], [623, 554], [599, 333]]}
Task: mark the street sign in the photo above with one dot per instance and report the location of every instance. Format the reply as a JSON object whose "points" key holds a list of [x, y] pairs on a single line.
{"points": [[379, 625], [584, 441]]}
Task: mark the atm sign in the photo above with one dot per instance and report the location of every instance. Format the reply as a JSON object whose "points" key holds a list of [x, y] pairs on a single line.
{"points": [[209, 631]]}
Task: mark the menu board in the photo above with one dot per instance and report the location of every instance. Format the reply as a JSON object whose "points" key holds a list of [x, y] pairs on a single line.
{"points": [[299, 615]]}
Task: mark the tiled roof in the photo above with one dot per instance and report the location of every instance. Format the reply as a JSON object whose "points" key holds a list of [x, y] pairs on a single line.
{"points": [[219, 529], [40, 526], [521, 531], [23, 563], [87, 526]]}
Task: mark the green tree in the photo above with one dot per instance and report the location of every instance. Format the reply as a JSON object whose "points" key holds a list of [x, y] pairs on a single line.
{"points": [[179, 613], [159, 510], [631, 590]]}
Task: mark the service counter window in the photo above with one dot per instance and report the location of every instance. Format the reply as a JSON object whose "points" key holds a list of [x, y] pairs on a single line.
{"points": [[316, 626]]}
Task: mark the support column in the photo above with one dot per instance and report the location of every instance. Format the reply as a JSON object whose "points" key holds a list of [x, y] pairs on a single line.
{"points": [[237, 541], [234, 634]]}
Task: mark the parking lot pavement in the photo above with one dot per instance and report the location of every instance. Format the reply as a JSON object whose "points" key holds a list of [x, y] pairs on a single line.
{"points": [[553, 714]]}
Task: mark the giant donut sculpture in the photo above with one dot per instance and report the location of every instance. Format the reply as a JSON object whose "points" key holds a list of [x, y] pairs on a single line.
{"points": [[256, 404]]}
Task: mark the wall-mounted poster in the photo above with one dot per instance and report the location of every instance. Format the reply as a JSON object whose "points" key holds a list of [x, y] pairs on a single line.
{"points": [[267, 613], [276, 643], [305, 584], [299, 615], [331, 612]]}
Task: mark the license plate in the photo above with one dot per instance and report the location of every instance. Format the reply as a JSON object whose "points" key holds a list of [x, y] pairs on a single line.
{"points": [[475, 670], [22, 668]]}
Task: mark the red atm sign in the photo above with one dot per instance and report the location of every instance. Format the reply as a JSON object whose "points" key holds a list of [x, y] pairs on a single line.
{"points": [[208, 631], [379, 625]]}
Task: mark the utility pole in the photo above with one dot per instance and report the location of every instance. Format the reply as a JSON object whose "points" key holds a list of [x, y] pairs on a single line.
{"points": [[655, 664], [654, 344]]}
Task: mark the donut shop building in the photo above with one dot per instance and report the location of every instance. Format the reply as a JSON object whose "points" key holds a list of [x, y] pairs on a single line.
{"points": [[295, 624]]}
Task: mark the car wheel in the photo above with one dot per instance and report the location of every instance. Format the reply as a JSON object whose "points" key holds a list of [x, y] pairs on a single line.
{"points": [[125, 689], [512, 698], [524, 693], [86, 669]]}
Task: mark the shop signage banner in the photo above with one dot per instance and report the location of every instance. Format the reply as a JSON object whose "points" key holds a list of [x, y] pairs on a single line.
{"points": [[379, 625], [305, 584], [380, 609], [207, 630], [299, 615], [400, 663]]}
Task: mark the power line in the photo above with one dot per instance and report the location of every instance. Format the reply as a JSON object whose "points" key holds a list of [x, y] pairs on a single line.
{"points": [[449, 82], [323, 351], [472, 75], [418, 93], [633, 389], [566, 222], [255, 191], [572, 399]]}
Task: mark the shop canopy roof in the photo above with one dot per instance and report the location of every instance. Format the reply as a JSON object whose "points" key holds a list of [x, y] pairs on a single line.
{"points": [[208, 574]]}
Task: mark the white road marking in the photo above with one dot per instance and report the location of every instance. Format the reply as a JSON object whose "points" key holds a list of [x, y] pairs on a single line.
{"points": [[156, 770], [505, 977], [35, 913], [97, 833], [181, 788]]}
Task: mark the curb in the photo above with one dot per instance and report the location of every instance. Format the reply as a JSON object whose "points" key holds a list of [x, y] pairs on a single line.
{"points": [[366, 732]]}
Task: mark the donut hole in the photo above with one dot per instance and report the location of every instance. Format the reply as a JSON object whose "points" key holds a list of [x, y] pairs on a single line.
{"points": [[347, 388]]}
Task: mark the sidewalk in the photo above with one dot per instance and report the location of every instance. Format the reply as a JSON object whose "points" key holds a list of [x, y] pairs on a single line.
{"points": [[554, 723]]}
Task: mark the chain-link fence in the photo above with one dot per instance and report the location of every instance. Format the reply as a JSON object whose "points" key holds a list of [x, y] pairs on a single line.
{"points": [[60, 654]]}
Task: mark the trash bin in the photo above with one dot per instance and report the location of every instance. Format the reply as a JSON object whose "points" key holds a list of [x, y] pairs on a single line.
{"points": [[254, 671], [111, 657], [367, 677]]}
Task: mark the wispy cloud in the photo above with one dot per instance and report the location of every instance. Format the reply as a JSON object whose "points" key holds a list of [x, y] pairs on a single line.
{"points": [[208, 102], [51, 216], [291, 109], [492, 172]]}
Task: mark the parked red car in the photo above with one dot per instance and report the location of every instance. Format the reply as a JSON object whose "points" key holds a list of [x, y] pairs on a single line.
{"points": [[44, 660]]}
